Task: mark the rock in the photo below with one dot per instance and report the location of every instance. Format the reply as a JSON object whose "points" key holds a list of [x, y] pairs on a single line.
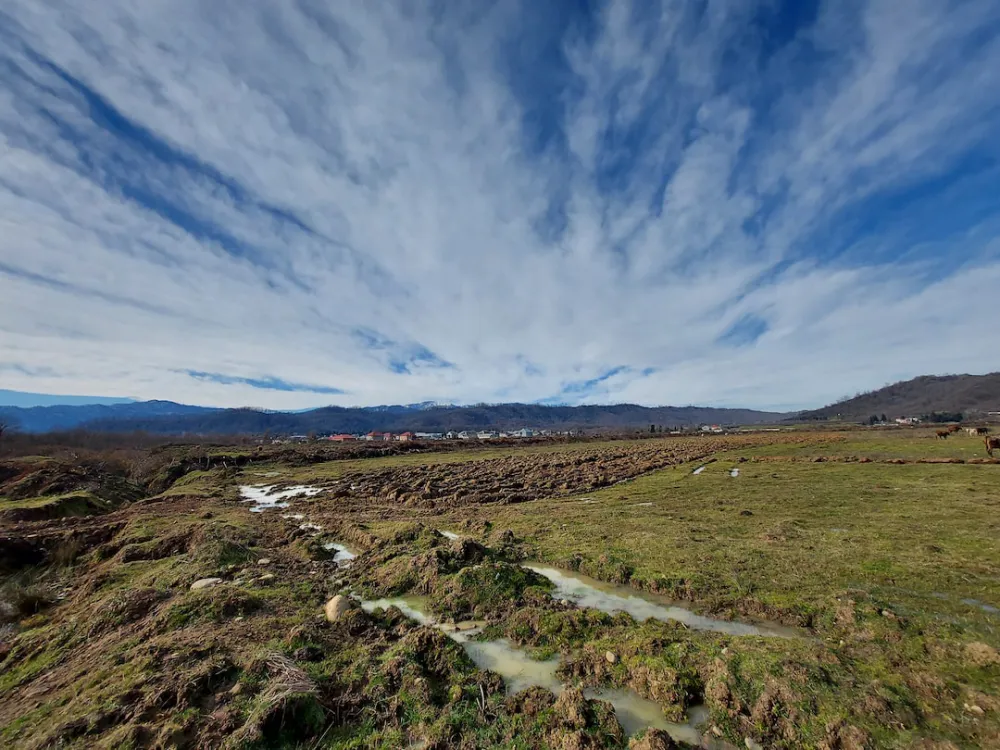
{"points": [[266, 577], [611, 656], [888, 614], [564, 602], [264, 561], [205, 583], [653, 739], [337, 607], [746, 512], [752, 744]]}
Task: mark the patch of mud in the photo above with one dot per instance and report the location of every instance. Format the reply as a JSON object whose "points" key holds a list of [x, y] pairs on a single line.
{"points": [[589, 592], [267, 497]]}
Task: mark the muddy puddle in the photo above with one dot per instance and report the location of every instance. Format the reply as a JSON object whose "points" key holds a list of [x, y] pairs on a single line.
{"points": [[589, 592], [519, 672], [343, 555], [267, 497]]}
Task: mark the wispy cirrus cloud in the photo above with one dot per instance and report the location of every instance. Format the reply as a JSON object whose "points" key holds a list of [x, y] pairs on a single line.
{"points": [[766, 204]]}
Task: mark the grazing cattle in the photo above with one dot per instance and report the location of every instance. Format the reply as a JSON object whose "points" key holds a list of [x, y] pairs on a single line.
{"points": [[991, 444], [972, 430], [943, 434], [982, 430], [953, 428]]}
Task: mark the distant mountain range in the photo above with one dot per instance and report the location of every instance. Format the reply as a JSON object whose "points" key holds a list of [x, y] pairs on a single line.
{"points": [[68, 417], [166, 417], [967, 394]]}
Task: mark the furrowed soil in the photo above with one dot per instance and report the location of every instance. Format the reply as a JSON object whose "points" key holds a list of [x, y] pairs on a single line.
{"points": [[802, 590]]}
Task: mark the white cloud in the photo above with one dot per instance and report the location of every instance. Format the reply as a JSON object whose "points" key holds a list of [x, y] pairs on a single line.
{"points": [[698, 185]]}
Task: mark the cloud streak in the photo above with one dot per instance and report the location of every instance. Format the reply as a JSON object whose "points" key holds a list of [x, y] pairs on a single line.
{"points": [[735, 204]]}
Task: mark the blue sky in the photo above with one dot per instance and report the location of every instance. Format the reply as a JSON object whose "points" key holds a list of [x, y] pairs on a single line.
{"points": [[767, 204]]}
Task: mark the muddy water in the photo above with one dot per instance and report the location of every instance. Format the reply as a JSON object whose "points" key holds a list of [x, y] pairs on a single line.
{"points": [[519, 671], [264, 498], [589, 592], [343, 554]]}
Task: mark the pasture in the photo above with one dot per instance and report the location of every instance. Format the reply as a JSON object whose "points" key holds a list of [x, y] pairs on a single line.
{"points": [[802, 588]]}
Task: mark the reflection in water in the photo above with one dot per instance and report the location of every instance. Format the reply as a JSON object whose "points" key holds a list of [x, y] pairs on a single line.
{"points": [[267, 497], [343, 555], [519, 671], [588, 592]]}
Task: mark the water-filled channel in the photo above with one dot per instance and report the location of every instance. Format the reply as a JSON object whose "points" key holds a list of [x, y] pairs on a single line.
{"points": [[519, 671], [607, 597]]}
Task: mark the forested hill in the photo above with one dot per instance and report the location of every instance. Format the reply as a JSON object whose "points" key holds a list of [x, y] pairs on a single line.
{"points": [[426, 418], [927, 394]]}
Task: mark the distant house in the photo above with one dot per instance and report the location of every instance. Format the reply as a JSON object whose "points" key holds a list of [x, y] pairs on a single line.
{"points": [[487, 434], [341, 438], [524, 432], [429, 435], [298, 438], [465, 435], [373, 436], [386, 436], [405, 437], [907, 420], [451, 435]]}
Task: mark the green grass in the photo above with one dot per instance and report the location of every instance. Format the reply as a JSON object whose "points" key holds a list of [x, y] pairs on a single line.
{"points": [[901, 531]]}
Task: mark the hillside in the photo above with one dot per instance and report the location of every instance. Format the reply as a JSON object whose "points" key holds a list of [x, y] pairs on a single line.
{"points": [[431, 419], [968, 394], [68, 417]]}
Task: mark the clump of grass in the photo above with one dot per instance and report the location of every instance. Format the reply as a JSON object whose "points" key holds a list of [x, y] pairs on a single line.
{"points": [[286, 712], [20, 598], [212, 605], [486, 588]]}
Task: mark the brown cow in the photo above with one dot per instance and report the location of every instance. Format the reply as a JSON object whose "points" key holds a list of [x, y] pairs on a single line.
{"points": [[943, 434], [991, 443], [953, 428]]}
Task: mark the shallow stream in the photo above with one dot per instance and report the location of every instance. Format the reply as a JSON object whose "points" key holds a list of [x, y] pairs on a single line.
{"points": [[607, 597], [519, 671]]}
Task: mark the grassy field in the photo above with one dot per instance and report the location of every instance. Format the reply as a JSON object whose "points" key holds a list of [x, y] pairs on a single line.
{"points": [[883, 560]]}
